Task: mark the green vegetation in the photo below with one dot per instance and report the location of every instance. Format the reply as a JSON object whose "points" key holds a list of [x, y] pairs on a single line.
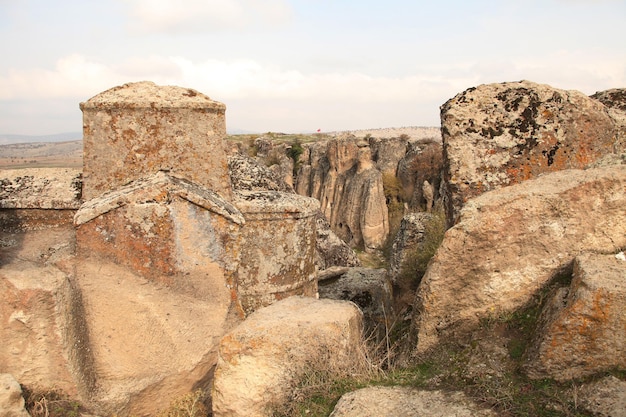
{"points": [[416, 260]]}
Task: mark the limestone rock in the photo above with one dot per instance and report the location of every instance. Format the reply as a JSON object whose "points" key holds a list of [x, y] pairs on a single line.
{"points": [[37, 312], [410, 236], [11, 400], [248, 175], [332, 251], [40, 188], [496, 135], [510, 242], [261, 360], [605, 398], [341, 175], [423, 162], [368, 288], [615, 102], [388, 152], [584, 327], [406, 402]]}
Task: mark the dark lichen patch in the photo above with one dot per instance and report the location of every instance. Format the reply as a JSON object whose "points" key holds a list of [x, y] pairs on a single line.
{"points": [[491, 132], [549, 153]]}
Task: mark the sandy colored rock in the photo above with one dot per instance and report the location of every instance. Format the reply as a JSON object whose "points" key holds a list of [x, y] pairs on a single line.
{"points": [[406, 402], [510, 242], [496, 135], [340, 174], [137, 129], [368, 288], [11, 400], [604, 398], [261, 360], [40, 188], [583, 328]]}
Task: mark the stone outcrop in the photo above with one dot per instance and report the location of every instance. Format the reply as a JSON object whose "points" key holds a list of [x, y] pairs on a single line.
{"points": [[11, 400], [332, 251], [615, 102], [410, 237], [38, 198], [583, 329], [496, 135], [510, 242], [604, 398], [423, 161], [247, 174], [368, 288], [341, 175], [263, 359], [40, 323], [407, 402]]}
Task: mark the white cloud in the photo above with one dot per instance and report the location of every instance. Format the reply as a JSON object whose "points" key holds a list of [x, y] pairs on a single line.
{"points": [[200, 16]]}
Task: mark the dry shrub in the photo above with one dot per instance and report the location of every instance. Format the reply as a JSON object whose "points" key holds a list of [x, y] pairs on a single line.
{"points": [[417, 259], [188, 405], [50, 403]]}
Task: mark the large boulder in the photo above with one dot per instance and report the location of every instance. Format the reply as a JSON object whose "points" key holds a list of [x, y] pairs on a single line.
{"points": [[510, 242], [615, 102], [583, 328], [332, 251], [496, 135], [262, 360], [407, 402], [605, 397]]}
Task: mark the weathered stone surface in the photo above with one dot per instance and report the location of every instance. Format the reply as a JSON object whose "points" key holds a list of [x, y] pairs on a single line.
{"points": [[160, 226], [261, 360], [38, 198], [149, 343], [583, 329], [496, 135], [341, 175], [134, 130], [278, 257], [423, 162], [368, 288], [37, 311], [40, 188], [406, 402], [11, 400], [615, 103], [410, 236], [604, 398], [510, 242], [247, 174], [332, 251], [388, 152]]}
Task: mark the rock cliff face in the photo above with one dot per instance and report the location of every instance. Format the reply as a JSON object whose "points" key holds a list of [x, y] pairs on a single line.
{"points": [[496, 135], [347, 176]]}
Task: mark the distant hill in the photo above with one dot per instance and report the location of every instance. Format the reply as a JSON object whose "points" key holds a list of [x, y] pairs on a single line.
{"points": [[59, 137]]}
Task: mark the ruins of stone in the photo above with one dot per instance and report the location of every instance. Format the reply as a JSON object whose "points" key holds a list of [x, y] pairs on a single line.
{"points": [[172, 268]]}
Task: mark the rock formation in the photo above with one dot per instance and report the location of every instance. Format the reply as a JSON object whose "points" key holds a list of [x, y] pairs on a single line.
{"points": [[371, 290], [510, 242], [261, 360], [161, 260], [341, 175], [496, 135], [407, 402], [582, 331]]}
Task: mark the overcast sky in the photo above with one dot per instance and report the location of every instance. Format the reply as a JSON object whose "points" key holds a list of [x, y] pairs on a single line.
{"points": [[299, 65]]}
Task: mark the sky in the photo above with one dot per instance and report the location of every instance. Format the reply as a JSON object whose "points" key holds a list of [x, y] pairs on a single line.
{"points": [[299, 65]]}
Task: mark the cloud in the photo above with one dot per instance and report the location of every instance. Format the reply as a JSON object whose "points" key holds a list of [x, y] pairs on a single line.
{"points": [[205, 16]]}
